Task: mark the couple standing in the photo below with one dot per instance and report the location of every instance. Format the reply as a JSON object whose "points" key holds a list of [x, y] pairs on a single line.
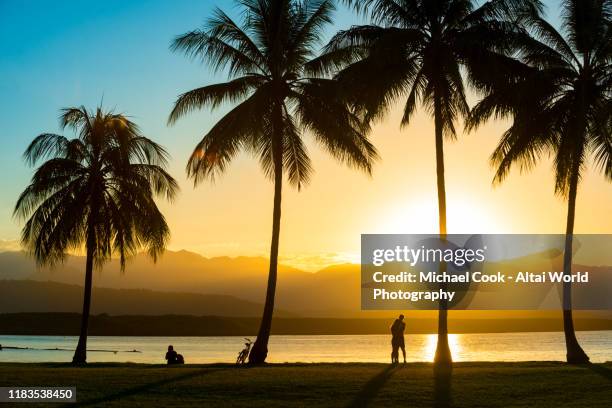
{"points": [[397, 339]]}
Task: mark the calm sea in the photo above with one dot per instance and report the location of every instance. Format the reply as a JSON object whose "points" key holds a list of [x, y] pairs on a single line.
{"points": [[369, 348]]}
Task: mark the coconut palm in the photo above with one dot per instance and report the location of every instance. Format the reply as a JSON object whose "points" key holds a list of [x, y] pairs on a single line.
{"points": [[94, 191], [560, 103], [418, 49], [279, 95]]}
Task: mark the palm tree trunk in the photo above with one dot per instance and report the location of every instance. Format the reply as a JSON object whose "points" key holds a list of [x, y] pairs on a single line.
{"points": [[443, 355], [80, 354], [259, 352], [575, 354]]}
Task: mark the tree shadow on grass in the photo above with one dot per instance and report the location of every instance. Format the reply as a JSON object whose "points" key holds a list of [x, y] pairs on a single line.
{"points": [[146, 387], [372, 387], [601, 370], [443, 387]]}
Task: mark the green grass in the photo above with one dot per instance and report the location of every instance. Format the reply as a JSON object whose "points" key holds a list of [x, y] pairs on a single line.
{"points": [[319, 385]]}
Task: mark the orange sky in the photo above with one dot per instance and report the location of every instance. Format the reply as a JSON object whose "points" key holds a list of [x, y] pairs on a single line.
{"points": [[322, 223]]}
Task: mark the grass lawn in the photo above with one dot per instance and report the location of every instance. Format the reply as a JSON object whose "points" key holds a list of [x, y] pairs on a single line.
{"points": [[319, 385]]}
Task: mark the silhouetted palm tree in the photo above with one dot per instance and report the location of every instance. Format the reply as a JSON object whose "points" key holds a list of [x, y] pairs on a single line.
{"points": [[275, 78], [418, 48], [560, 102], [94, 191]]}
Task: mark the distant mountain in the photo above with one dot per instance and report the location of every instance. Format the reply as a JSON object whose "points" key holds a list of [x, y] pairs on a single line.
{"points": [[28, 296], [331, 292]]}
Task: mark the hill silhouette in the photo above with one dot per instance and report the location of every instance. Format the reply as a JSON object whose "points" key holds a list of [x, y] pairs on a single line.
{"points": [[333, 291], [27, 296], [230, 286]]}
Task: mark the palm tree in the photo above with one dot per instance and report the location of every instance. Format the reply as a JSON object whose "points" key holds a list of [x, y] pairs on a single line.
{"points": [[280, 93], [560, 103], [95, 191], [418, 48]]}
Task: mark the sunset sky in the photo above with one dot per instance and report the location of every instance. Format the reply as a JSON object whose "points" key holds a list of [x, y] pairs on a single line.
{"points": [[70, 53]]}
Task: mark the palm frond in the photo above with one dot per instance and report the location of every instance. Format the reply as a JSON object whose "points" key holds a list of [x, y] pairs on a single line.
{"points": [[214, 95], [52, 145], [217, 53], [296, 162], [339, 131], [238, 128]]}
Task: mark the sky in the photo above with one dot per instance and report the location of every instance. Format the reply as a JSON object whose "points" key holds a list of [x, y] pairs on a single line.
{"points": [[56, 54]]}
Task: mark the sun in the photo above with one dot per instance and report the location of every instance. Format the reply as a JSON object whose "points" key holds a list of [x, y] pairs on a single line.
{"points": [[464, 216]]}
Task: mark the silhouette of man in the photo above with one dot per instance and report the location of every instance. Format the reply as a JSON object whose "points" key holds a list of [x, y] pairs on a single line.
{"points": [[397, 339], [171, 355]]}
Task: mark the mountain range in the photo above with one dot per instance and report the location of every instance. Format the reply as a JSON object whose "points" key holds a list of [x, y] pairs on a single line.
{"points": [[183, 282], [235, 284]]}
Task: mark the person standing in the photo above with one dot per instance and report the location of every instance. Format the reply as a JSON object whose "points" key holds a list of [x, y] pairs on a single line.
{"points": [[397, 339]]}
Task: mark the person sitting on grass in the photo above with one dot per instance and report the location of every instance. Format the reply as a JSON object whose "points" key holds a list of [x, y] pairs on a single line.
{"points": [[172, 357]]}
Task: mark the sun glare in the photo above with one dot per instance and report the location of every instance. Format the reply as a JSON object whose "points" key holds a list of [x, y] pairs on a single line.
{"points": [[432, 340], [463, 217]]}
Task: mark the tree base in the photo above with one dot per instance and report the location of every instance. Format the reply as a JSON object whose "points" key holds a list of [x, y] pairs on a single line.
{"points": [[80, 357], [577, 356], [575, 353], [258, 353], [443, 357]]}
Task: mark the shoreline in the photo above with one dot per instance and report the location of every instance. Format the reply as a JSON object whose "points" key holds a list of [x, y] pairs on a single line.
{"points": [[68, 324]]}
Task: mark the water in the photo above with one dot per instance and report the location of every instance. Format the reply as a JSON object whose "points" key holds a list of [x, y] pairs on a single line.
{"points": [[369, 348]]}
